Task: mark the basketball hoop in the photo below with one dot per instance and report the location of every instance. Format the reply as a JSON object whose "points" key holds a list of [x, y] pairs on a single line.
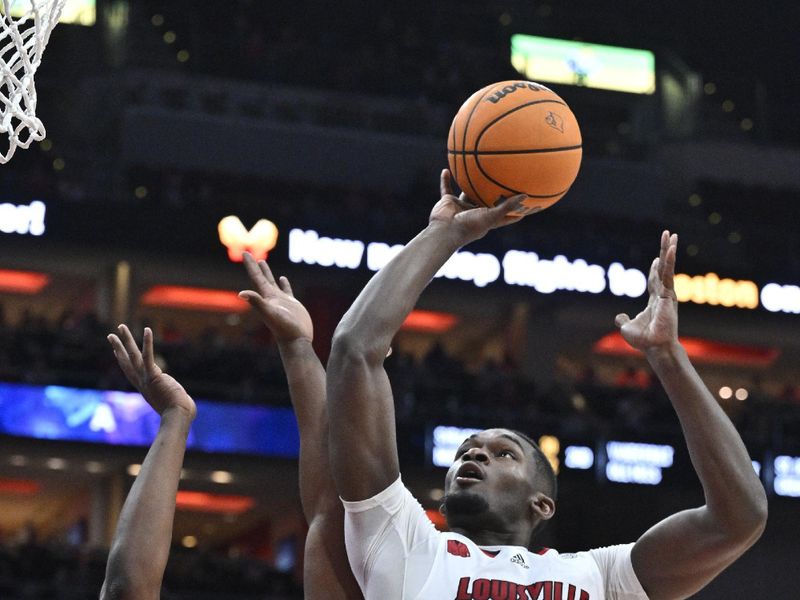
{"points": [[25, 27]]}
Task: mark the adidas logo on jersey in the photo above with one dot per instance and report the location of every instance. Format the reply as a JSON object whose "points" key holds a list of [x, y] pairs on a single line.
{"points": [[519, 560]]}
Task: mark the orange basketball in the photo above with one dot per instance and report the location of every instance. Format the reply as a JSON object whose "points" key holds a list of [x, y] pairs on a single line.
{"points": [[515, 137]]}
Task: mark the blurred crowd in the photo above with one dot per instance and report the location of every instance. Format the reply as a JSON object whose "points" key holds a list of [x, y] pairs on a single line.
{"points": [[411, 51], [431, 54], [624, 400], [437, 388], [34, 570]]}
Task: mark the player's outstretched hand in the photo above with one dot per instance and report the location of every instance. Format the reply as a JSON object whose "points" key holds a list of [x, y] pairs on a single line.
{"points": [[160, 390], [470, 222], [657, 325], [274, 301]]}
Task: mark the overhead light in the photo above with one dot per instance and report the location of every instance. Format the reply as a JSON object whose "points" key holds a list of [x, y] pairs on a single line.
{"points": [[189, 541], [213, 503], [429, 321], [57, 464], [133, 470], [578, 457], [741, 394], [550, 446], [221, 477], [20, 487], [22, 282], [94, 467], [725, 392], [698, 349], [191, 298], [18, 460]]}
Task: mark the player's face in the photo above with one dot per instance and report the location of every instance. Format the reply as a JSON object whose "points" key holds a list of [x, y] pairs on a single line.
{"points": [[493, 473]]}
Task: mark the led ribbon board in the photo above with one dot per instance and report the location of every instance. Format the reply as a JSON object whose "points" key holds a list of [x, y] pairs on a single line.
{"points": [[23, 219], [588, 65], [633, 462], [787, 475], [124, 418], [545, 275], [445, 442]]}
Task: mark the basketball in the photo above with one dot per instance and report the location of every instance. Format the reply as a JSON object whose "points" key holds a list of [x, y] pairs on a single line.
{"points": [[515, 137]]}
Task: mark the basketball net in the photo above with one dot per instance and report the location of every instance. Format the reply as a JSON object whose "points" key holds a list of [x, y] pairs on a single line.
{"points": [[25, 27]]}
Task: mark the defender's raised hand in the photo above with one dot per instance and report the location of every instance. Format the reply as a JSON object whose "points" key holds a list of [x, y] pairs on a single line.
{"points": [[160, 390], [657, 325], [140, 547], [327, 573], [285, 316], [472, 223]]}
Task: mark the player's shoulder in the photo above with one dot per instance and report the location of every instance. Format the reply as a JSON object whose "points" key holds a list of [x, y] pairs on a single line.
{"points": [[582, 561], [546, 553]]}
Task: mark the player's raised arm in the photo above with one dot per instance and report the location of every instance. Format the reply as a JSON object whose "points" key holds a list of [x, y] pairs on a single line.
{"points": [[327, 573], [683, 553], [363, 443], [140, 547]]}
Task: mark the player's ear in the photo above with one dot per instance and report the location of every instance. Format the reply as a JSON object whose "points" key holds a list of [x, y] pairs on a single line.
{"points": [[543, 506], [442, 509]]}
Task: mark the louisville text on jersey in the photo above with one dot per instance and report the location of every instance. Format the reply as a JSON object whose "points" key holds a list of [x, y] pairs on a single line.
{"points": [[498, 589]]}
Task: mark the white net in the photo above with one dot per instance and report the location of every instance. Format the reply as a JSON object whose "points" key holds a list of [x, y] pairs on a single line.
{"points": [[25, 27]]}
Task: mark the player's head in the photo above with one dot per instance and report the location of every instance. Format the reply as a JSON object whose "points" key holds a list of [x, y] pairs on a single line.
{"points": [[501, 481]]}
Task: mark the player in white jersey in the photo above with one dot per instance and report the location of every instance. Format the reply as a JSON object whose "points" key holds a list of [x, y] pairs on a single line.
{"points": [[497, 493]]}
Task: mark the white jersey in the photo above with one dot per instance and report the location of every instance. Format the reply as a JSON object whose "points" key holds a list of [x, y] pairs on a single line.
{"points": [[396, 554]]}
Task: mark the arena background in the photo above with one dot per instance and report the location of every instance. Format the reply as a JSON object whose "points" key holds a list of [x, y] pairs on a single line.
{"points": [[329, 119]]}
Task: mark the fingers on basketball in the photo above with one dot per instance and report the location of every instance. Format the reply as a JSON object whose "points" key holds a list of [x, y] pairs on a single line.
{"points": [[445, 183], [500, 212], [464, 202]]}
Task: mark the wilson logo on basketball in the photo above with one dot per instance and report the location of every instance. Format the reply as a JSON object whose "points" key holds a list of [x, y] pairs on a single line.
{"points": [[555, 121], [510, 89]]}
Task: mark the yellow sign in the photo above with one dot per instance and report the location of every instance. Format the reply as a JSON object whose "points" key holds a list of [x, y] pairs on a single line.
{"points": [[551, 446], [238, 240], [580, 63], [710, 289], [76, 12]]}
